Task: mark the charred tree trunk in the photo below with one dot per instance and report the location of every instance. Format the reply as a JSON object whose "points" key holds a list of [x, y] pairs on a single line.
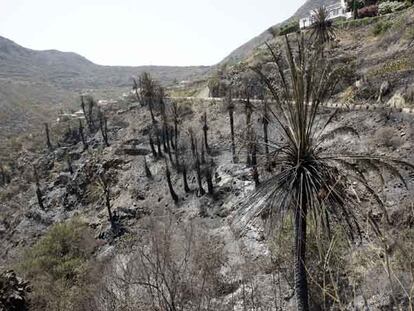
{"points": [[177, 158], [108, 205], [265, 121], [39, 194], [172, 139], [69, 164], [203, 156], [199, 179], [150, 106], [301, 285], [147, 170], [164, 138], [84, 110], [3, 175], [159, 144], [254, 163], [176, 133], [248, 108], [170, 186], [135, 89], [91, 122], [151, 142], [48, 143], [39, 198], [104, 128], [184, 172], [209, 179], [193, 143], [205, 130], [167, 138], [82, 135], [233, 144], [107, 194]]}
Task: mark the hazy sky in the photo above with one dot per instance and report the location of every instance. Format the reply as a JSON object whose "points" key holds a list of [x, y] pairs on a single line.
{"points": [[138, 32]]}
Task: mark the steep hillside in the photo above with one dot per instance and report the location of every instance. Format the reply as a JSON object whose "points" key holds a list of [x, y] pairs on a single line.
{"points": [[247, 48]]}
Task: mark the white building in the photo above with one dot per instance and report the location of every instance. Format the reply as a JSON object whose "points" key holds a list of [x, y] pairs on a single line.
{"points": [[334, 11]]}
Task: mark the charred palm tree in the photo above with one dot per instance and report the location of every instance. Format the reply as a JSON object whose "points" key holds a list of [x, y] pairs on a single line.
{"points": [[176, 118], [208, 173], [254, 162], [170, 185], [265, 122], [82, 135], [5, 178], [147, 95], [322, 30], [203, 154], [83, 109], [185, 181], [172, 138], [146, 168], [39, 194], [48, 143], [151, 142], [90, 118], [157, 135], [182, 160], [192, 141], [197, 166], [103, 125], [312, 181], [135, 88], [230, 109], [205, 131], [104, 183], [69, 163], [248, 109]]}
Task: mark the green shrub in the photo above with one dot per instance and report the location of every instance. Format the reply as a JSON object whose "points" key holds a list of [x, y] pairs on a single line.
{"points": [[289, 28], [58, 267], [381, 27], [62, 252], [391, 7]]}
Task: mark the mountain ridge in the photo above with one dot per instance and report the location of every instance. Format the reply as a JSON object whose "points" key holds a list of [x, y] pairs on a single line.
{"points": [[245, 49], [34, 84]]}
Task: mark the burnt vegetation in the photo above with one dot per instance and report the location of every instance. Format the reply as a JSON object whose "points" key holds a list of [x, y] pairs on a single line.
{"points": [[314, 201]]}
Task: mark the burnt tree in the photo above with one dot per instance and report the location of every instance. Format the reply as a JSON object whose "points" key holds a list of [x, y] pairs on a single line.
{"points": [[146, 168], [39, 194], [48, 143], [205, 131], [265, 121], [103, 124], [198, 173], [208, 172], [106, 189], [82, 135], [151, 142], [230, 109], [170, 186]]}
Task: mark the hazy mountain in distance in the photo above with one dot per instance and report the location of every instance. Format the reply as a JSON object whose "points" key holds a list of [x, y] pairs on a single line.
{"points": [[34, 84], [72, 71]]}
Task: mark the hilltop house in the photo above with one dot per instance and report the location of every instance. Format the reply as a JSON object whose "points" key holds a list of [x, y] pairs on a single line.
{"points": [[334, 11]]}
